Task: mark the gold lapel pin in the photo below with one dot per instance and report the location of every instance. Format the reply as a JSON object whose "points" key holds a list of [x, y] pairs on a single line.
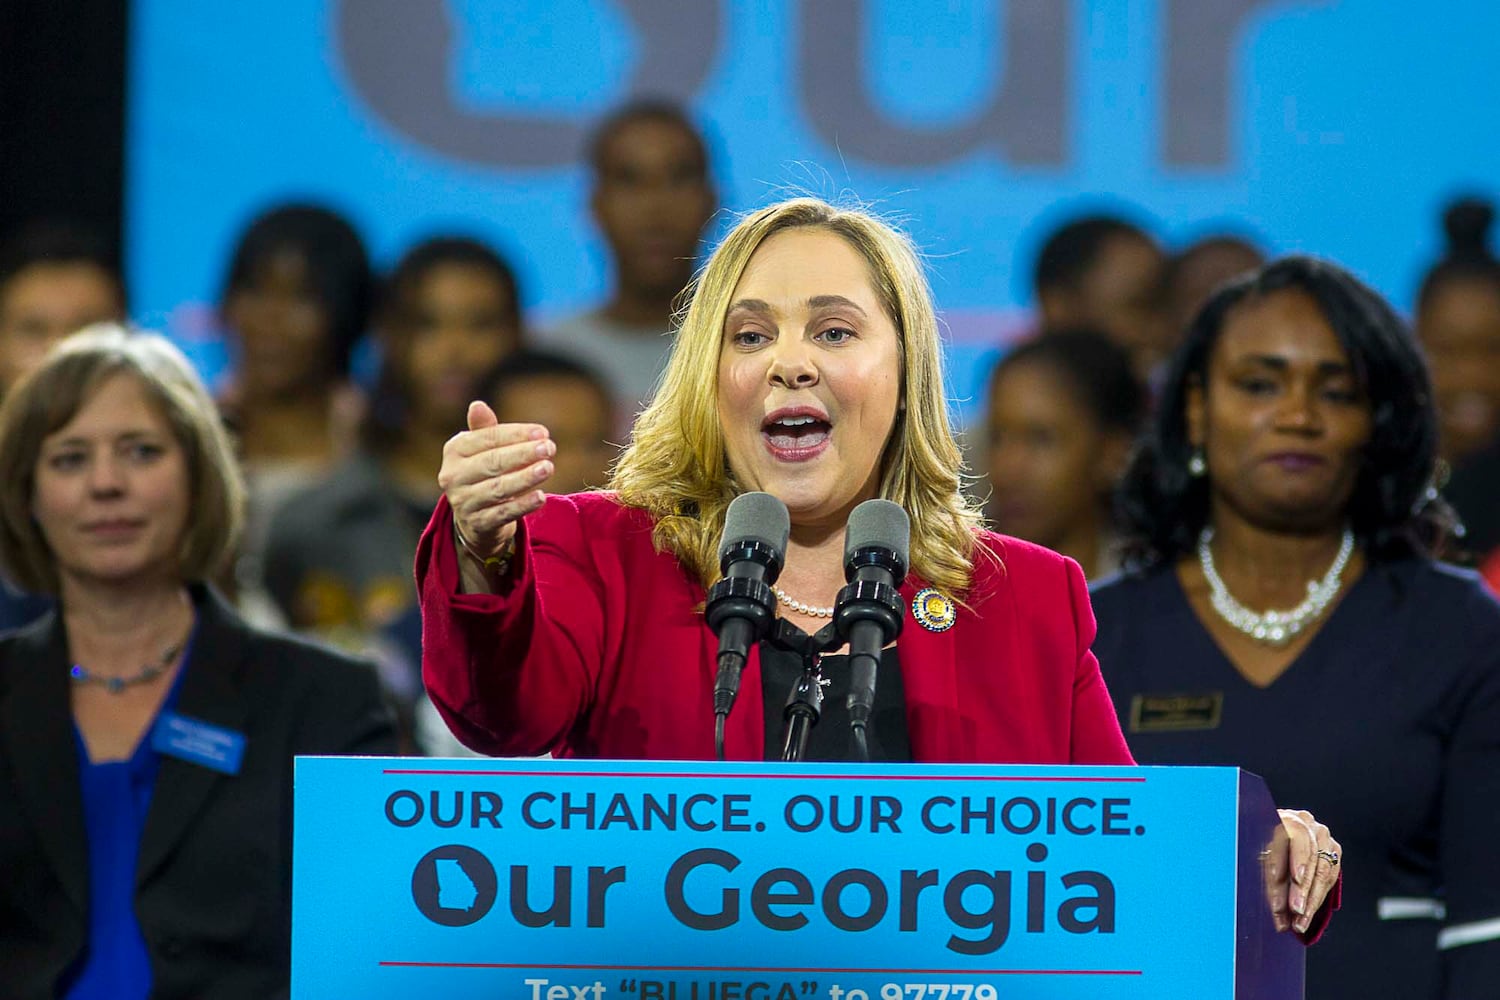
{"points": [[933, 610]]}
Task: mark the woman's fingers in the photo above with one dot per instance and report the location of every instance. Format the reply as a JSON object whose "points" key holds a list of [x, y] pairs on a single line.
{"points": [[483, 509], [496, 521], [507, 459], [472, 457], [1275, 867], [492, 474], [500, 472], [1300, 847], [480, 414], [1330, 857], [476, 454], [1314, 856]]}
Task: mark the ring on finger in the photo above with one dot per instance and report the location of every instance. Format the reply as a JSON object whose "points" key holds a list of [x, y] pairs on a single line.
{"points": [[1332, 857]]}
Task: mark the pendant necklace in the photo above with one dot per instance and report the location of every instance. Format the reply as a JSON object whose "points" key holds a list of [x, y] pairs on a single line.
{"points": [[115, 685]]}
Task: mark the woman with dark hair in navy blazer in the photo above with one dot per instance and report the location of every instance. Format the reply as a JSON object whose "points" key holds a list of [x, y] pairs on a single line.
{"points": [[146, 732], [1285, 613]]}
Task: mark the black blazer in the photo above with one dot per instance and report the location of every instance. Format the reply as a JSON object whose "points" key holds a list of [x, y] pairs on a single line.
{"points": [[213, 879]]}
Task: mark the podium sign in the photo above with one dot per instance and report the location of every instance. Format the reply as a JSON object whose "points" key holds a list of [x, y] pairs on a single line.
{"points": [[574, 880]]}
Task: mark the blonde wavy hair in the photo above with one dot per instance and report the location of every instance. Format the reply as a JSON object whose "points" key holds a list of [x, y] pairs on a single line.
{"points": [[676, 467]]}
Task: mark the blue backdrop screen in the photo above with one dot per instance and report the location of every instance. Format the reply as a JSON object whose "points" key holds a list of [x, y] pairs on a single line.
{"points": [[1334, 128]]}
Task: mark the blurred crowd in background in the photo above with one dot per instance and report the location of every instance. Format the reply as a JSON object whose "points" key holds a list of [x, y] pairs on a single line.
{"points": [[342, 469]]}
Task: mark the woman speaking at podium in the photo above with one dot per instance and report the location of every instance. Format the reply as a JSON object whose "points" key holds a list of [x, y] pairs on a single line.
{"points": [[807, 365]]}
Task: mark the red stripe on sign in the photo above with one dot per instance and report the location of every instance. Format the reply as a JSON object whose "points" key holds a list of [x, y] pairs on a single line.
{"points": [[757, 968], [1071, 779]]}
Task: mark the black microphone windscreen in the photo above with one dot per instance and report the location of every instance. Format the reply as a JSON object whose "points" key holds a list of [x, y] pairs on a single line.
{"points": [[878, 523], [756, 517]]}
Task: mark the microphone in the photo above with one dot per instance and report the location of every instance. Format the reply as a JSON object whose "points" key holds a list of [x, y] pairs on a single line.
{"points": [[868, 612], [741, 608]]}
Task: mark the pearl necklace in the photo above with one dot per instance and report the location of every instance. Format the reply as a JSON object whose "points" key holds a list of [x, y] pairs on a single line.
{"points": [[806, 609], [1276, 628]]}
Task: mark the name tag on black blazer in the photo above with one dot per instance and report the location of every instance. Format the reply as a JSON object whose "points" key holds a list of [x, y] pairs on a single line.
{"points": [[1163, 713], [198, 742]]}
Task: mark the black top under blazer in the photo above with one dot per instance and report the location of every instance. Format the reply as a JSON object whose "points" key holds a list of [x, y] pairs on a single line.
{"points": [[213, 878]]}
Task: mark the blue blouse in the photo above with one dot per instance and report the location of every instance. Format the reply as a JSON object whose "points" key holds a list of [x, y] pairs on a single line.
{"points": [[116, 797]]}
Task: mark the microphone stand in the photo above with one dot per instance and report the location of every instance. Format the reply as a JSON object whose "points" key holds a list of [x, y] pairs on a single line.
{"points": [[804, 703]]}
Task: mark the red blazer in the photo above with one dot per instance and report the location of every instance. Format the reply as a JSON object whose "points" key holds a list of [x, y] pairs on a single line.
{"points": [[598, 648]]}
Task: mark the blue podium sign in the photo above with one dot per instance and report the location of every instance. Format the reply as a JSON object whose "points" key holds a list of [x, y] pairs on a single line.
{"points": [[571, 880]]}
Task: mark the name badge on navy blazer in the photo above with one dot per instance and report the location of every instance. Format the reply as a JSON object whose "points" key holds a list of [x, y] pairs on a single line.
{"points": [[1163, 713], [198, 742]]}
